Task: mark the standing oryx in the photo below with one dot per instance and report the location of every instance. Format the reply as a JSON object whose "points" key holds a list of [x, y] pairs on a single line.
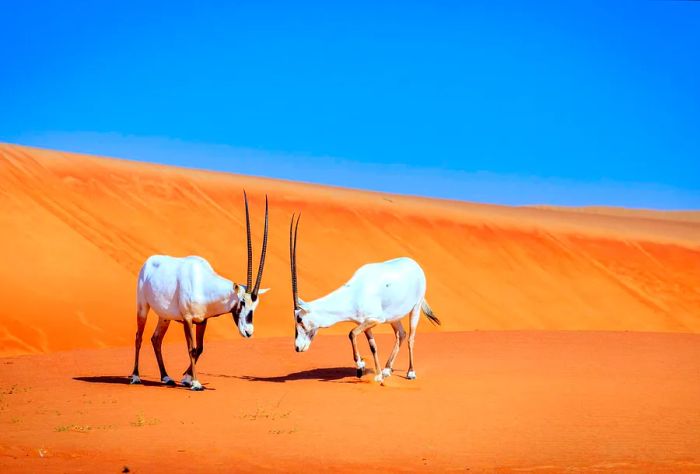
{"points": [[377, 293], [187, 290]]}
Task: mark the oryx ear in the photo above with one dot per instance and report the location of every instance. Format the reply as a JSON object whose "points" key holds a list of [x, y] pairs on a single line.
{"points": [[262, 291]]}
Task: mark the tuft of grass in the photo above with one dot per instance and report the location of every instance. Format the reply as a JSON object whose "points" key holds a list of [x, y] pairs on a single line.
{"points": [[283, 432], [272, 413], [263, 414], [82, 428], [141, 420], [75, 428]]}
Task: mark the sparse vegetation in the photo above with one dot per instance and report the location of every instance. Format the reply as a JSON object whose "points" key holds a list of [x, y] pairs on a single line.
{"points": [[272, 413], [10, 391], [14, 389], [82, 428], [76, 428], [282, 432], [262, 413], [141, 420]]}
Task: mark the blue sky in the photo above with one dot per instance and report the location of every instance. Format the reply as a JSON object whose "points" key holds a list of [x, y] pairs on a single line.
{"points": [[582, 103]]}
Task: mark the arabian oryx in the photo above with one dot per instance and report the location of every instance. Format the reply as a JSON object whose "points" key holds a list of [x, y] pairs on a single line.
{"points": [[187, 290], [377, 293]]}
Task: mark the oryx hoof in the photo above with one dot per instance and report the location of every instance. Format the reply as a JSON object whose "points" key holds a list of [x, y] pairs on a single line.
{"points": [[168, 381], [360, 368], [411, 375], [186, 380], [386, 372], [135, 380], [196, 386], [379, 378]]}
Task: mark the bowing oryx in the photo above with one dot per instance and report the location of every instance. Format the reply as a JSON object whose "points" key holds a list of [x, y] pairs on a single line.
{"points": [[189, 291], [377, 293]]}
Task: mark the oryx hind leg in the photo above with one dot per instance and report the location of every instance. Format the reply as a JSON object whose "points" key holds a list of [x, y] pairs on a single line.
{"points": [[141, 316], [413, 325], [400, 337]]}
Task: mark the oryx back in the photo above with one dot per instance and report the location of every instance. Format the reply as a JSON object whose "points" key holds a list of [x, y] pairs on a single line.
{"points": [[172, 286], [389, 289]]}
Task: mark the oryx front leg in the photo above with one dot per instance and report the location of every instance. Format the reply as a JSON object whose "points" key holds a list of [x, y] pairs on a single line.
{"points": [[188, 326], [373, 347], [201, 328], [356, 353], [157, 341], [400, 336]]}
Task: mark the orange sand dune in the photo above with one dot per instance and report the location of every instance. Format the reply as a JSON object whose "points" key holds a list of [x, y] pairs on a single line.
{"points": [[495, 401], [76, 229]]}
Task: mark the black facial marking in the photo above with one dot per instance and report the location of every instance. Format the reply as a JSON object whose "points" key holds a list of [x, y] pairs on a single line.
{"points": [[254, 297], [299, 319], [249, 318]]}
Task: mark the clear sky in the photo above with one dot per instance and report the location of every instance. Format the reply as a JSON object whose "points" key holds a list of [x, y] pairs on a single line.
{"points": [[568, 103]]}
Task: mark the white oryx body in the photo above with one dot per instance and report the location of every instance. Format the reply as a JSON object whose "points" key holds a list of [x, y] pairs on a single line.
{"points": [[189, 291], [382, 292], [377, 293], [187, 287]]}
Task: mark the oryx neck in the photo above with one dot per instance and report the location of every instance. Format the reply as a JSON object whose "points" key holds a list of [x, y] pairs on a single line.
{"points": [[333, 308]]}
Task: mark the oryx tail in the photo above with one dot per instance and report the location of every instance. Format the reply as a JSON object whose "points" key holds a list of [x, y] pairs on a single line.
{"points": [[429, 313]]}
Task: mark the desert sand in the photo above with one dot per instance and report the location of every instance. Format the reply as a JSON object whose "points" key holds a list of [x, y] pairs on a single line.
{"points": [[506, 401], [569, 336]]}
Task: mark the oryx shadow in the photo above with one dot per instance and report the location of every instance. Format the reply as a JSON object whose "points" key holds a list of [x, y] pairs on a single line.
{"points": [[323, 374], [115, 379], [122, 380]]}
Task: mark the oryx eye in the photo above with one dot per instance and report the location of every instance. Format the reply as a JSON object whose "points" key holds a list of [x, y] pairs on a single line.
{"points": [[299, 319]]}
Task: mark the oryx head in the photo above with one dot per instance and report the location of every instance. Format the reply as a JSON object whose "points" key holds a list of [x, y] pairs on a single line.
{"points": [[248, 295], [305, 328]]}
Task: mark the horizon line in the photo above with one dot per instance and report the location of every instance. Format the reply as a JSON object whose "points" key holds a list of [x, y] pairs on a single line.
{"points": [[478, 187]]}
